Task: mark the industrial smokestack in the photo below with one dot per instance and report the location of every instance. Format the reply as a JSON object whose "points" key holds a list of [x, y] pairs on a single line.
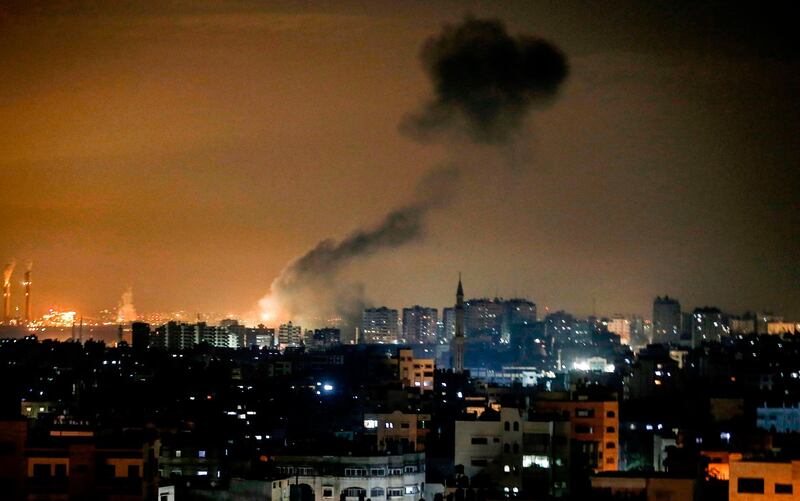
{"points": [[27, 284], [7, 272]]}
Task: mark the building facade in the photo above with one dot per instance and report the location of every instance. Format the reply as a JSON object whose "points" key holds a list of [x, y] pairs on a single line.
{"points": [[326, 478], [527, 456], [666, 320], [594, 427], [415, 372], [379, 325], [420, 324]]}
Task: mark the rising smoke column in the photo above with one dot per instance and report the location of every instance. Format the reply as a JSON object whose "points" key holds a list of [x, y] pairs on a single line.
{"points": [[126, 312], [485, 83], [8, 270]]}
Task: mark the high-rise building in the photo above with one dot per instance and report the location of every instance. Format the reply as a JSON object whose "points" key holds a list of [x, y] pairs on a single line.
{"points": [[560, 326], [457, 343], [448, 324], [290, 335], [419, 324], [140, 335], [484, 317], [181, 336], [379, 325], [518, 314], [326, 337], [620, 326], [707, 325], [259, 336], [666, 320]]}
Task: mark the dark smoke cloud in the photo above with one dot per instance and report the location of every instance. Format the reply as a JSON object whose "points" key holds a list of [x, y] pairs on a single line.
{"points": [[310, 285], [485, 80]]}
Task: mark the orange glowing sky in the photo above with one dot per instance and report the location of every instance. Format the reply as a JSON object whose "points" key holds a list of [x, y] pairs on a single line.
{"points": [[189, 150]]}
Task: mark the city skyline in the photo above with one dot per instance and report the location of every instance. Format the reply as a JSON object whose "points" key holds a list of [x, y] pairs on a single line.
{"points": [[167, 149]]}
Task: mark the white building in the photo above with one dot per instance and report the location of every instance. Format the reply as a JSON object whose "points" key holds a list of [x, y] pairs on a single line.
{"points": [[400, 477], [290, 335]]}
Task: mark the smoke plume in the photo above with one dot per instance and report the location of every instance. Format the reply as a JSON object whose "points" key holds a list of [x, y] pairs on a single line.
{"points": [[126, 312], [310, 287], [485, 82], [8, 270]]}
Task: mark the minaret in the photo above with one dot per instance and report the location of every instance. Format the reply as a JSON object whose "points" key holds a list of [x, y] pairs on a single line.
{"points": [[457, 344]]}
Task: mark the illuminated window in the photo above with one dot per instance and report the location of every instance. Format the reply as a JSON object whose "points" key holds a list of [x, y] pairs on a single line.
{"points": [[370, 424], [539, 461], [201, 454]]}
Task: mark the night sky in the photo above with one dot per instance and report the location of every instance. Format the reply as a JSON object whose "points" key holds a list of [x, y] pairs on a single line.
{"points": [[190, 150]]}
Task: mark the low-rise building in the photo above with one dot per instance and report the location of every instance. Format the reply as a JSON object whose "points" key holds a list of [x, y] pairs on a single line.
{"points": [[400, 477], [762, 480], [522, 453], [594, 423], [779, 419], [398, 431], [416, 372]]}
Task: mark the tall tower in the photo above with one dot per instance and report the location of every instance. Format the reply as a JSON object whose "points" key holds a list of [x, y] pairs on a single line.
{"points": [[27, 284], [7, 272], [457, 344]]}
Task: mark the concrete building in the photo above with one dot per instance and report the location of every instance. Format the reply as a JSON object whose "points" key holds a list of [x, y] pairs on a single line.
{"points": [[415, 372], [182, 336], [708, 325], [289, 335], [645, 486], [781, 328], [779, 419], [420, 324], [594, 423], [398, 432], [620, 326], [519, 313], [74, 463], [743, 325], [140, 336], [484, 317], [762, 480], [350, 478], [763, 320], [183, 456], [260, 337], [325, 337], [379, 325], [448, 325], [666, 320], [525, 455]]}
